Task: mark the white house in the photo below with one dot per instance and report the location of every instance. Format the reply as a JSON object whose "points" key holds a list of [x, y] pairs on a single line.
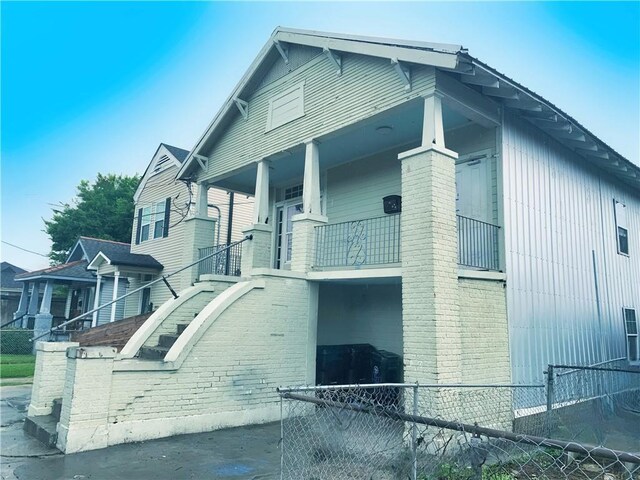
{"points": [[407, 196]]}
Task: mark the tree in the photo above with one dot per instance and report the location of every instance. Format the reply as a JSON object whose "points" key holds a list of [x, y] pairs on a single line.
{"points": [[103, 210]]}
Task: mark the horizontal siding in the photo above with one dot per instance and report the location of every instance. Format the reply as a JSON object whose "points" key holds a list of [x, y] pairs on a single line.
{"points": [[366, 87], [106, 295], [355, 190], [361, 314], [558, 209], [242, 212]]}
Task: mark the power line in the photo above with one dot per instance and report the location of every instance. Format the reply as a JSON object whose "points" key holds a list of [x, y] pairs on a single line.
{"points": [[24, 249]]}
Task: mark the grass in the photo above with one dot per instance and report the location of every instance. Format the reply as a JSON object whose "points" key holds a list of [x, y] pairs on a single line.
{"points": [[17, 366]]}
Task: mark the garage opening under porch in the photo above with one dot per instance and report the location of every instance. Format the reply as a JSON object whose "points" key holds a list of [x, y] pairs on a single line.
{"points": [[359, 332]]}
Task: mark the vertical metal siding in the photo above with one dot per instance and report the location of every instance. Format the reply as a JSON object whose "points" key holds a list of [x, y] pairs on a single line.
{"points": [[557, 210]]}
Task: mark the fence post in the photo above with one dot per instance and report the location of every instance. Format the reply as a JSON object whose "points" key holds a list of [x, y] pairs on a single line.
{"points": [[281, 439], [550, 397], [414, 435]]}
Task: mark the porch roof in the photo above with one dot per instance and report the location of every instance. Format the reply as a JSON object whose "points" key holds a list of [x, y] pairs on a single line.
{"points": [[125, 259], [67, 272], [455, 61]]}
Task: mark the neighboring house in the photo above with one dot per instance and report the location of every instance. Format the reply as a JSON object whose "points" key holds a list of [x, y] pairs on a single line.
{"points": [[10, 291], [164, 210], [407, 196]]}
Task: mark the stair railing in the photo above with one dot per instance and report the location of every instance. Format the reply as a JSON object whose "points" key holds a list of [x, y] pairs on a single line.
{"points": [[163, 278]]}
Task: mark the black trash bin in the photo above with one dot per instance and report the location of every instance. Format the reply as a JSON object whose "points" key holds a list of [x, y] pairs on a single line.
{"points": [[359, 363], [332, 363], [386, 367]]}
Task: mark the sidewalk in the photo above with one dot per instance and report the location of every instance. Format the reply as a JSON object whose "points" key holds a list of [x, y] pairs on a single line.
{"points": [[235, 453]]}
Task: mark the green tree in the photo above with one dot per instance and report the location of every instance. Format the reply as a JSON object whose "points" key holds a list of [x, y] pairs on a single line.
{"points": [[103, 209]]}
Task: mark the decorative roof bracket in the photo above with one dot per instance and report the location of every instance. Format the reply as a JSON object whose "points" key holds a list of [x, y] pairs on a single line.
{"points": [[242, 106], [403, 72], [335, 59]]}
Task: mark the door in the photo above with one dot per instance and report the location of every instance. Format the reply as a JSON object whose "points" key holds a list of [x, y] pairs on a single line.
{"points": [[284, 215], [145, 300], [474, 205]]}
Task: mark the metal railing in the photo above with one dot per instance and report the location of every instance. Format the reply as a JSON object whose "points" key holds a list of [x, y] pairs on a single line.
{"points": [[477, 244], [371, 241], [163, 278], [228, 261], [413, 431]]}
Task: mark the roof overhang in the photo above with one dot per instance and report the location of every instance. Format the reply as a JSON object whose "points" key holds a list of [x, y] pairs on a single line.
{"points": [[148, 173], [450, 58], [61, 278]]}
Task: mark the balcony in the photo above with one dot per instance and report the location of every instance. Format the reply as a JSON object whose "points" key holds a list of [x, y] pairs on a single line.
{"points": [[376, 242]]}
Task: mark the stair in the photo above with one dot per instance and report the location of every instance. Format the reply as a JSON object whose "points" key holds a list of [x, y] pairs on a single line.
{"points": [[165, 342], [43, 427]]}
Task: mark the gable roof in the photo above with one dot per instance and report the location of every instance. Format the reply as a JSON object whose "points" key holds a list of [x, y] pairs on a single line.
{"points": [[176, 155], [125, 259], [8, 272], [453, 59], [73, 271], [86, 248]]}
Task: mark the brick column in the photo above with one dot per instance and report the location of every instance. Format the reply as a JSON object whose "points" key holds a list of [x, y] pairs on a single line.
{"points": [[430, 308], [256, 253], [85, 403], [49, 376], [304, 240], [199, 232]]}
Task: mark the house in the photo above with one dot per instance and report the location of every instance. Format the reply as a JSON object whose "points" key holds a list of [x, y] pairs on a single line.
{"points": [[9, 291], [164, 218], [407, 196]]}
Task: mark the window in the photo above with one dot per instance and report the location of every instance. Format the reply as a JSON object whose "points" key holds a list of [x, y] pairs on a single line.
{"points": [[631, 328], [286, 107], [153, 221], [293, 192], [158, 226], [145, 223], [622, 233]]}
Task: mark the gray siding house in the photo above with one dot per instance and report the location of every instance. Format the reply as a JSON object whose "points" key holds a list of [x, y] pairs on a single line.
{"points": [[407, 196]]}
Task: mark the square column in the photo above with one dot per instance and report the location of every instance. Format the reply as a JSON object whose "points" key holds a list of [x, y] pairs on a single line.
{"points": [[22, 306], [44, 318], [430, 302], [116, 278], [256, 253], [96, 301], [33, 303]]}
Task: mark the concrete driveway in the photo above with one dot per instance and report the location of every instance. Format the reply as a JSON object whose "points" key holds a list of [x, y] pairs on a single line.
{"points": [[235, 453]]}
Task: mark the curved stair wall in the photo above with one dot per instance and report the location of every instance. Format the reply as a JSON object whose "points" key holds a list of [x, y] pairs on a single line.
{"points": [[222, 371]]}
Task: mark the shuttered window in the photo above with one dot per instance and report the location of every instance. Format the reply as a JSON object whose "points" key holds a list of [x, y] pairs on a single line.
{"points": [[286, 107], [153, 221]]}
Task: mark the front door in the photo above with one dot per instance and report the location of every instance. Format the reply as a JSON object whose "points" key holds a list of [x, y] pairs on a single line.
{"points": [[284, 225]]}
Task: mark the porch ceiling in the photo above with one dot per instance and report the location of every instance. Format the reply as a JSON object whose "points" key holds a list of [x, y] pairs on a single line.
{"points": [[348, 144]]}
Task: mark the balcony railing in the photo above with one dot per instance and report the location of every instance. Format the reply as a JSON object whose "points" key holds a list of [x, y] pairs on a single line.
{"points": [[373, 241], [376, 241], [226, 263], [477, 244]]}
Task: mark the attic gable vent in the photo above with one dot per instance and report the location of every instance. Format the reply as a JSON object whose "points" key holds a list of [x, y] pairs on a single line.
{"points": [[163, 161], [286, 107]]}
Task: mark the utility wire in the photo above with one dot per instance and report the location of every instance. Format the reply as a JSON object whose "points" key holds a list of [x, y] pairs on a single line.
{"points": [[24, 249]]}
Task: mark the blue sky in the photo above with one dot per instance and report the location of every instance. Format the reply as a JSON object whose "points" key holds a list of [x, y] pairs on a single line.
{"points": [[94, 87]]}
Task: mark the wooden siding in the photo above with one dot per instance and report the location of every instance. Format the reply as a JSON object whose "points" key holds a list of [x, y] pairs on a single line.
{"points": [[366, 87], [298, 55], [558, 209], [106, 295], [355, 190]]}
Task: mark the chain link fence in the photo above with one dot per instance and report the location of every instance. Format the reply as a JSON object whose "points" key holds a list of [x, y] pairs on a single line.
{"points": [[16, 341], [433, 432]]}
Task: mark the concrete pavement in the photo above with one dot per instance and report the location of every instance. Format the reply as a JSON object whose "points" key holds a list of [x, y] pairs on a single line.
{"points": [[235, 453]]}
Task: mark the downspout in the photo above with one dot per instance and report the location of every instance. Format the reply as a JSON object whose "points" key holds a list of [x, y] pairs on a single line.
{"points": [[218, 225], [229, 230]]}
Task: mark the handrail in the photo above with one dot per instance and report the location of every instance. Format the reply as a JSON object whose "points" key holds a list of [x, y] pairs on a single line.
{"points": [[14, 320], [161, 279]]}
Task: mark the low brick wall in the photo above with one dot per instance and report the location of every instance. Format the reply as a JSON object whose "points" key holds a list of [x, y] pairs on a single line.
{"points": [[114, 334]]}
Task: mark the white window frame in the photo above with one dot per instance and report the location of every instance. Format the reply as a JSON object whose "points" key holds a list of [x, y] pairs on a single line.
{"points": [[619, 211], [631, 337], [270, 123], [145, 221], [159, 209]]}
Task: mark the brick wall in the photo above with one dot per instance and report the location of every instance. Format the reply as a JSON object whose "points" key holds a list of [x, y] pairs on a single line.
{"points": [[49, 375]]}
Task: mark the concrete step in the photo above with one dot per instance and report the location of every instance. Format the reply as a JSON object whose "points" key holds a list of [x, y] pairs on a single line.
{"points": [[57, 408], [42, 428], [182, 327], [153, 353], [167, 340]]}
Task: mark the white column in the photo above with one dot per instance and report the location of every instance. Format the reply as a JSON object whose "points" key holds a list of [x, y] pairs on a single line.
{"points": [[116, 277], [33, 301], [67, 305], [45, 306], [261, 205], [96, 301], [432, 129], [202, 201], [311, 186], [24, 297]]}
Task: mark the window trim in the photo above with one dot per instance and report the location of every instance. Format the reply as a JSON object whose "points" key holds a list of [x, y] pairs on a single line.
{"points": [[620, 226], [628, 335], [145, 221]]}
